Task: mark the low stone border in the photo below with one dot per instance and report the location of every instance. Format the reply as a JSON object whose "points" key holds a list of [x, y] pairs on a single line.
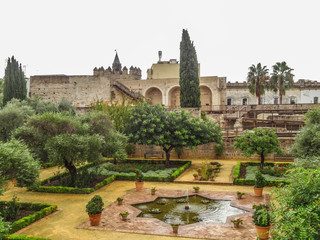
{"points": [[111, 220]]}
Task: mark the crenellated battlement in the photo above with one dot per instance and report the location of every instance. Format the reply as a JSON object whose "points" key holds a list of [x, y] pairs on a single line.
{"points": [[117, 72]]}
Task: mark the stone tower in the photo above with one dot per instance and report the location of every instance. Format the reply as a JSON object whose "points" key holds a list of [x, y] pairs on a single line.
{"points": [[116, 66]]}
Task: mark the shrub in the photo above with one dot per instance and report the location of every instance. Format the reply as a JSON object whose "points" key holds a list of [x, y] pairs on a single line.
{"points": [[95, 205], [296, 209], [260, 181], [139, 175], [261, 216]]}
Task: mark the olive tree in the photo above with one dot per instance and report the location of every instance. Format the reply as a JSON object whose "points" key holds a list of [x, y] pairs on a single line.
{"points": [[259, 141], [40, 128], [306, 147], [154, 125], [12, 116], [68, 150], [16, 162]]}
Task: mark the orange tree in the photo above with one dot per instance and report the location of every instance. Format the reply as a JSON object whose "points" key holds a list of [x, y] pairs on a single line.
{"points": [[260, 141], [154, 125]]}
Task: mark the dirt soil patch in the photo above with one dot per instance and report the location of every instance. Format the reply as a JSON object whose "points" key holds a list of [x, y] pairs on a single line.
{"points": [[243, 171]]}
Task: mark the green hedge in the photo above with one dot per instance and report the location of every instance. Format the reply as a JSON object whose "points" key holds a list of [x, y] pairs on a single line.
{"points": [[120, 176], [42, 209], [123, 176], [23, 237], [61, 189], [242, 181]]}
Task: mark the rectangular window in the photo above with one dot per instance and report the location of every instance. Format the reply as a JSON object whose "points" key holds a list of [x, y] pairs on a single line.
{"points": [[316, 100], [275, 101], [245, 101], [229, 101]]}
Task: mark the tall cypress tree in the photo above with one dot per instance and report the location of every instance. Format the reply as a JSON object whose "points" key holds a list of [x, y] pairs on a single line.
{"points": [[14, 81], [189, 73]]}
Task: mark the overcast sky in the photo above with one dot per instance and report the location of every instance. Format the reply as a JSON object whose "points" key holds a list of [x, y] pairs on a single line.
{"points": [[72, 37]]}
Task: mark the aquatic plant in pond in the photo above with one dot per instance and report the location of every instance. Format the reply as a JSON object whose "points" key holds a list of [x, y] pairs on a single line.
{"points": [[172, 210]]}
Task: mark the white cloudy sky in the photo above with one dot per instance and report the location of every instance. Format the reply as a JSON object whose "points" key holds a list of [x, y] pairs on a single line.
{"points": [[73, 36]]}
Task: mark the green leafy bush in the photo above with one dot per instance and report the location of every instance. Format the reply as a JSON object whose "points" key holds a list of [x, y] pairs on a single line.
{"points": [[260, 181], [296, 209], [261, 216], [10, 210], [95, 205], [139, 175]]}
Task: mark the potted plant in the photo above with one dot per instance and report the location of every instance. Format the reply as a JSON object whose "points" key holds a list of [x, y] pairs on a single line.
{"points": [[124, 215], [179, 151], [153, 191], [196, 189], [139, 179], [262, 220], [94, 209], [129, 149], [236, 222], [211, 178], [199, 172], [260, 182], [218, 148], [196, 176], [240, 194], [120, 200], [175, 227]]}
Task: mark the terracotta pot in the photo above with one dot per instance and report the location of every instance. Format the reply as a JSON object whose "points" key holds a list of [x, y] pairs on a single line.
{"points": [[258, 192], [196, 178], [120, 202], [139, 185], [211, 178], [175, 229], [200, 174], [124, 217], [236, 224], [95, 219], [263, 232], [239, 196], [218, 157], [196, 190], [153, 192]]}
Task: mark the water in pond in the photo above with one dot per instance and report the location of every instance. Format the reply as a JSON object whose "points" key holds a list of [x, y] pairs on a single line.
{"points": [[172, 210]]}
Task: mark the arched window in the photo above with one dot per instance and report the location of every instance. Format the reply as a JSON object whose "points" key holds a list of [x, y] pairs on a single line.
{"points": [[229, 101]]}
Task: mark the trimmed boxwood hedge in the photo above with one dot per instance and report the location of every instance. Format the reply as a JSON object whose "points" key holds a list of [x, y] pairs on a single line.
{"points": [[242, 181], [61, 189], [42, 210], [120, 176], [23, 237]]}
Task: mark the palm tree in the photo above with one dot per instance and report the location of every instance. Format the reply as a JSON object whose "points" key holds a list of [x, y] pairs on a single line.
{"points": [[257, 77], [281, 79]]}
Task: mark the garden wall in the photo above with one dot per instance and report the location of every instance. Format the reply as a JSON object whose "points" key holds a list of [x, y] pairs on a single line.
{"points": [[206, 151]]}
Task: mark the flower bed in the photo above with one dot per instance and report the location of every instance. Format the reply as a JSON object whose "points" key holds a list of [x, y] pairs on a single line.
{"points": [[108, 172], [273, 173], [36, 210]]}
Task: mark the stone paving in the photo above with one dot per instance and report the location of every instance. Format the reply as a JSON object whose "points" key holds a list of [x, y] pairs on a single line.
{"points": [[112, 221]]}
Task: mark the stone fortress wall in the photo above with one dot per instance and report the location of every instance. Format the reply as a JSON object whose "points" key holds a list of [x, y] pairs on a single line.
{"points": [[161, 87]]}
